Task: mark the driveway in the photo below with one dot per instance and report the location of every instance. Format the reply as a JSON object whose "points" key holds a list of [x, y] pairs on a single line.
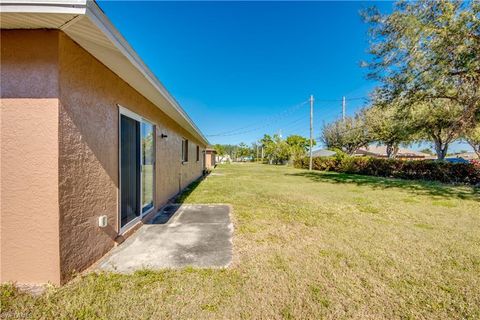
{"points": [[179, 236]]}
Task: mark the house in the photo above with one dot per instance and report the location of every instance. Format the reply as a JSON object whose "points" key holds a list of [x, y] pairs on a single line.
{"points": [[403, 154], [456, 160], [210, 158], [223, 158], [323, 153], [466, 155], [92, 144]]}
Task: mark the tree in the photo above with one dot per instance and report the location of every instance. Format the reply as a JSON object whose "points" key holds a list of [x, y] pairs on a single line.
{"points": [[347, 135], [220, 149], [473, 138], [426, 55], [225, 149], [281, 151], [276, 150], [266, 144], [255, 148], [386, 127], [243, 151], [298, 146], [438, 121]]}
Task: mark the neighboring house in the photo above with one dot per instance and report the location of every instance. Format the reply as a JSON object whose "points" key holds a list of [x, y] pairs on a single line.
{"points": [[456, 160], [466, 155], [210, 158], [88, 134], [323, 153], [223, 158], [402, 154]]}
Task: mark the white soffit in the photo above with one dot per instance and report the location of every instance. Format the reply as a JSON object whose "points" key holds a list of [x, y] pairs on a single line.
{"points": [[87, 25], [33, 20]]}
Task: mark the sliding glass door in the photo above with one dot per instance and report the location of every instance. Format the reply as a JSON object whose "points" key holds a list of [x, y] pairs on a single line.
{"points": [[130, 169], [137, 167], [148, 162]]}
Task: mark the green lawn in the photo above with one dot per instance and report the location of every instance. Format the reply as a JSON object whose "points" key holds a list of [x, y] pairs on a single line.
{"points": [[306, 245], [147, 184]]}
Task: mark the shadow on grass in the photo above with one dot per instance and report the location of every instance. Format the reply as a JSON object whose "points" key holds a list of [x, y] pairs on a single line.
{"points": [[414, 186]]}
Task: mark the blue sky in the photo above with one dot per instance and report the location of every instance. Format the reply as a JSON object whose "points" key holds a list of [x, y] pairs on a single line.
{"points": [[246, 66]]}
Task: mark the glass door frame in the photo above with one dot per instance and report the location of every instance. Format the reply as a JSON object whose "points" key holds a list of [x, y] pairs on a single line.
{"points": [[142, 169], [126, 112]]}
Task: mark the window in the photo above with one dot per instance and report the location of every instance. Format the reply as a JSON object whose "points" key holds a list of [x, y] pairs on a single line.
{"points": [[184, 150], [198, 153]]}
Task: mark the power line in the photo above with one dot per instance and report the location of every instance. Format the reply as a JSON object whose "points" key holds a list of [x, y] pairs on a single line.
{"points": [[274, 117], [340, 100], [302, 128], [297, 126], [259, 128], [278, 116]]}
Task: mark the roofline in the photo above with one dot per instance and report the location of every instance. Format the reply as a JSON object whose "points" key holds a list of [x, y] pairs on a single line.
{"points": [[408, 153], [91, 9], [95, 13], [44, 6]]}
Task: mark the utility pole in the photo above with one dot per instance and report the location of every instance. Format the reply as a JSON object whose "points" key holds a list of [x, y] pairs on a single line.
{"points": [[311, 133], [343, 108]]}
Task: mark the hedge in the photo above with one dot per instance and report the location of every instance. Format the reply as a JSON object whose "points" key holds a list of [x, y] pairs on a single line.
{"points": [[464, 173]]}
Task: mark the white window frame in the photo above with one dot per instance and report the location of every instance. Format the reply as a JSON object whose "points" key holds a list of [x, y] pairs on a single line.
{"points": [[185, 150], [126, 112]]}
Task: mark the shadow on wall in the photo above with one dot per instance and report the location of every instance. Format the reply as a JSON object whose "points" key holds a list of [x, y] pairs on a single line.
{"points": [[169, 210], [182, 197], [415, 187]]}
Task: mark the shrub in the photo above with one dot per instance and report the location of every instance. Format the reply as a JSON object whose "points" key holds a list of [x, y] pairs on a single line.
{"points": [[476, 163], [466, 173]]}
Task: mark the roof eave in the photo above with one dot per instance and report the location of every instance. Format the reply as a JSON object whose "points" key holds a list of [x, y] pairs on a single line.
{"points": [[91, 10], [100, 19], [53, 6]]}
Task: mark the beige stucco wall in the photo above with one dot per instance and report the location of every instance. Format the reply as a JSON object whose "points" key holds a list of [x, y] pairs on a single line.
{"points": [[210, 159], [29, 158], [76, 151], [89, 97], [29, 64]]}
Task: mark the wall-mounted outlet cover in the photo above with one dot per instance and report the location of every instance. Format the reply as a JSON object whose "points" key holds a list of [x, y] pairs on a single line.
{"points": [[102, 221]]}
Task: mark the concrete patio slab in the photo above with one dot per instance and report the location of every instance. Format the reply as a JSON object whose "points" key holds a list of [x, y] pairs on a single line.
{"points": [[179, 236]]}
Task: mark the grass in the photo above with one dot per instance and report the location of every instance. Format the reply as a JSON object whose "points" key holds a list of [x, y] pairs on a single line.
{"points": [[306, 245], [147, 184]]}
